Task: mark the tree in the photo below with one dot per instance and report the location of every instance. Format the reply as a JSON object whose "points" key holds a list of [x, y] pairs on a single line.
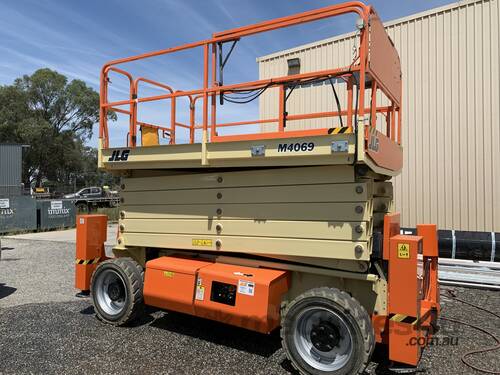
{"points": [[54, 117]]}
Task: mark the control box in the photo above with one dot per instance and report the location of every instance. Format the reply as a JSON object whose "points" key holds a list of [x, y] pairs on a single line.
{"points": [[243, 296]]}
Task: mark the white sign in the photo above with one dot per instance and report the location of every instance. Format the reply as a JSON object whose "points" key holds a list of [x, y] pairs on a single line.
{"points": [[200, 293], [4, 203], [246, 287], [56, 205]]}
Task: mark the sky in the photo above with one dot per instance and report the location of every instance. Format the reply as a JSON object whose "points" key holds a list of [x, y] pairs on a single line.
{"points": [[76, 37]]}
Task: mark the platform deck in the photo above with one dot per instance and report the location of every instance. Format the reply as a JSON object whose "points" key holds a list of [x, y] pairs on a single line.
{"points": [[333, 149]]}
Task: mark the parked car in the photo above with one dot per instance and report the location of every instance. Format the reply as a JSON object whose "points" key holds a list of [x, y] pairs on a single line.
{"points": [[93, 197]]}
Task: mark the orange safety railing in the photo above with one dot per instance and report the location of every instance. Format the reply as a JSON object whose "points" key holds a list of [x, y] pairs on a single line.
{"points": [[369, 70]]}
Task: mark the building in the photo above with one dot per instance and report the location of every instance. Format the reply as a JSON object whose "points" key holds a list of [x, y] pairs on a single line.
{"points": [[451, 105], [11, 158]]}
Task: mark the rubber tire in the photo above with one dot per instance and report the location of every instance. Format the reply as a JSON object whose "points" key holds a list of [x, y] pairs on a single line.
{"points": [[133, 274], [353, 313]]}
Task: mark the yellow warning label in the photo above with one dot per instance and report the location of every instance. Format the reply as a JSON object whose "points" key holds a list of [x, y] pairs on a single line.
{"points": [[168, 273], [201, 242], [403, 250]]}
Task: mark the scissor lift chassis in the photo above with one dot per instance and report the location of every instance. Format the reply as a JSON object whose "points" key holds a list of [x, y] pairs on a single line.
{"points": [[320, 226], [287, 228]]}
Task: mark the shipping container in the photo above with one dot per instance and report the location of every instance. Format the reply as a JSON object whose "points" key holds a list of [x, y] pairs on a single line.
{"points": [[17, 214], [55, 214]]}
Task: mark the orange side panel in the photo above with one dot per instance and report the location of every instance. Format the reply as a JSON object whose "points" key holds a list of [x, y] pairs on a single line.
{"points": [[91, 233], [404, 285], [431, 253], [405, 341], [391, 228], [412, 308], [169, 283], [383, 151], [258, 294], [430, 239], [384, 61]]}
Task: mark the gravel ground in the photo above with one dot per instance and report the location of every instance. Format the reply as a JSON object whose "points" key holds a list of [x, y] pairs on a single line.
{"points": [[45, 329]]}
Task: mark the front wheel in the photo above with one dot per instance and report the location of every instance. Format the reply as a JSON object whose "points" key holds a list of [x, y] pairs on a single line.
{"points": [[116, 288], [326, 331]]}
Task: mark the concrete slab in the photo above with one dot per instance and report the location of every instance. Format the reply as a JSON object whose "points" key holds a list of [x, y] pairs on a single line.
{"points": [[67, 235]]}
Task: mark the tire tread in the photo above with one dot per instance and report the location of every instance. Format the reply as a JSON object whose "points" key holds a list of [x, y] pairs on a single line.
{"points": [[351, 306], [135, 275]]}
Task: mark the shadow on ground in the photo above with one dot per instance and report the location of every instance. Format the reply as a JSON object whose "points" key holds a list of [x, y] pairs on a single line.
{"points": [[6, 248], [218, 333], [207, 330], [6, 290]]}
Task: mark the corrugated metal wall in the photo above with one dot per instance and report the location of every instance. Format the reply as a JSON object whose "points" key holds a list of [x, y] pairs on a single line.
{"points": [[451, 130], [10, 169]]}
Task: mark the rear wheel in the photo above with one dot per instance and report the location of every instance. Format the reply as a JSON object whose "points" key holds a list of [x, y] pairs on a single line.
{"points": [[116, 288], [326, 331]]}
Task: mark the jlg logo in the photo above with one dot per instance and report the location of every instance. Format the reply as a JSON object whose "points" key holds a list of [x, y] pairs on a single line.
{"points": [[119, 155]]}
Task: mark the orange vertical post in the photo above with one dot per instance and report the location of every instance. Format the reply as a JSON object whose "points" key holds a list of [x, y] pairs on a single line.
{"points": [[133, 113], [91, 233], [173, 109], [213, 113], [393, 122], [403, 278], [430, 253], [205, 87], [362, 71], [103, 112], [404, 299], [391, 228], [191, 119], [281, 109]]}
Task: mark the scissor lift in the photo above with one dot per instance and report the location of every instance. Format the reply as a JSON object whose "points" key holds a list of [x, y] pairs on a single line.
{"points": [[290, 228]]}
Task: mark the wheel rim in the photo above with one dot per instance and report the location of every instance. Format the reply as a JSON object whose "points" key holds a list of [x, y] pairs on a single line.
{"points": [[110, 292], [322, 339]]}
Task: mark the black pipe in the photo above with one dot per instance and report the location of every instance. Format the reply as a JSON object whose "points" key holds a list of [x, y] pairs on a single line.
{"points": [[468, 245]]}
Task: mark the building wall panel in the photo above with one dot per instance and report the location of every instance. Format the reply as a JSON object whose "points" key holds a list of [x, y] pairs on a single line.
{"points": [[451, 131], [10, 169]]}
